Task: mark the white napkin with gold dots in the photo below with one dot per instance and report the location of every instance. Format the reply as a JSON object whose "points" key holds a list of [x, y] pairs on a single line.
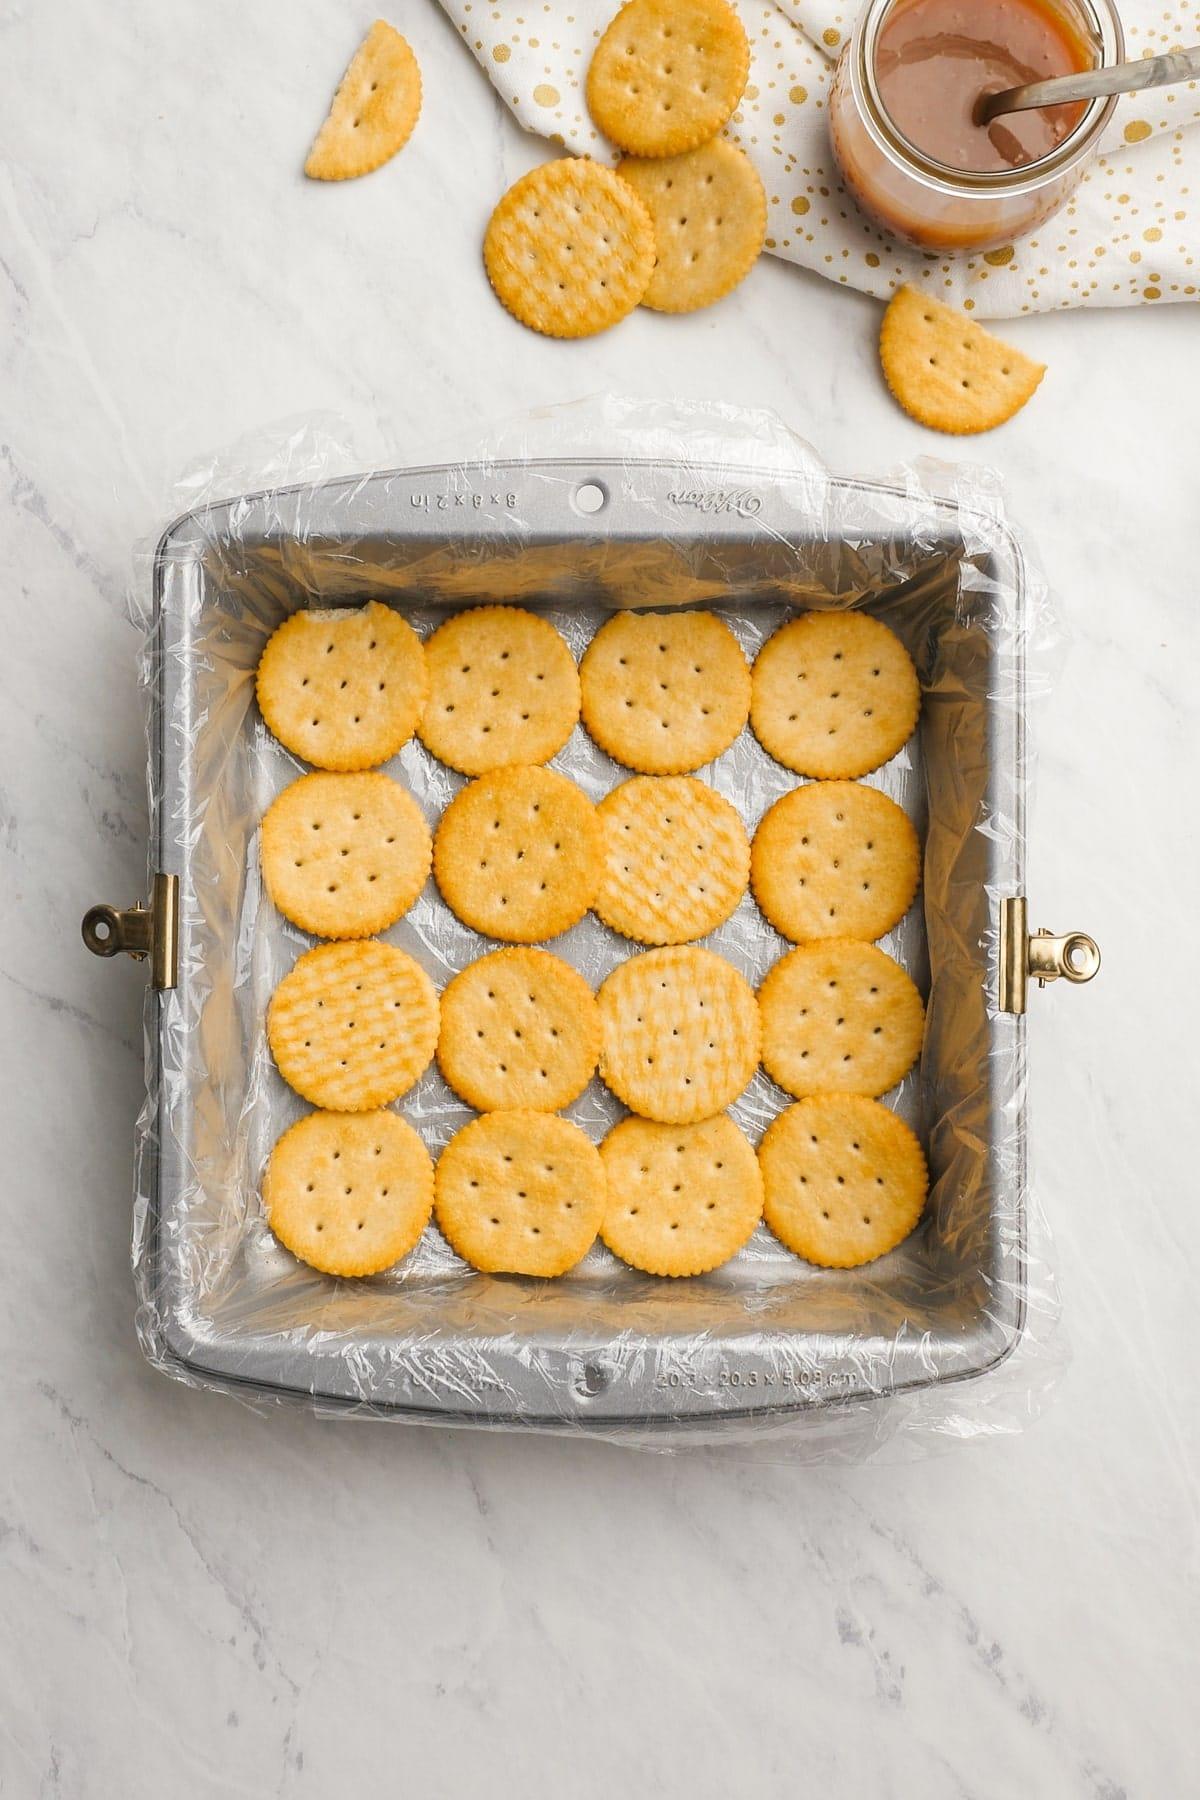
{"points": [[1131, 232]]}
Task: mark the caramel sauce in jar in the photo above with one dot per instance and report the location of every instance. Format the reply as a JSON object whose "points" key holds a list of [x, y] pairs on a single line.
{"points": [[902, 114]]}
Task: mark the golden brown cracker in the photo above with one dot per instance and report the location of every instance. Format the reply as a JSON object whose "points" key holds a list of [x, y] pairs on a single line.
{"points": [[351, 1026], [682, 1199], [680, 1034], [676, 859], [517, 854], [948, 372], [345, 855], [834, 694], [664, 693], [709, 213], [839, 1017], [667, 74], [343, 689], [834, 859], [503, 689], [569, 249], [520, 1029], [349, 1194], [520, 1193], [844, 1179], [373, 112]]}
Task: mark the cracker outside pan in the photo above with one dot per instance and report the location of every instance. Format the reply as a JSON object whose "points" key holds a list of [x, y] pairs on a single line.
{"points": [[374, 110]]}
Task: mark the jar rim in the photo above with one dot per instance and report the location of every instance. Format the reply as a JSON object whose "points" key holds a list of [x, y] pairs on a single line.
{"points": [[1104, 26]]}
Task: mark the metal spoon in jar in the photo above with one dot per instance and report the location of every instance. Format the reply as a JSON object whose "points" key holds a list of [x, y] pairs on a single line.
{"points": [[1118, 78]]}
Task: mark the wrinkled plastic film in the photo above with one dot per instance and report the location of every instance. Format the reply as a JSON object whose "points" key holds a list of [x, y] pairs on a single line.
{"points": [[953, 1333]]}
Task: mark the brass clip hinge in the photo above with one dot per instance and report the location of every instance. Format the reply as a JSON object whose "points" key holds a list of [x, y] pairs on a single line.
{"points": [[1038, 956], [141, 931]]}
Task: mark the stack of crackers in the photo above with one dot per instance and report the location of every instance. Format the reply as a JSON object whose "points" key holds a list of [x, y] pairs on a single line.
{"points": [[574, 246], [520, 855]]}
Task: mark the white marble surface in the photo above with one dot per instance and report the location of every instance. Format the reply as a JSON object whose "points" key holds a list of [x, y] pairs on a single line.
{"points": [[197, 1600]]}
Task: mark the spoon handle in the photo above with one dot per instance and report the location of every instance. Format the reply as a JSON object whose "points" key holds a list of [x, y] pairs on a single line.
{"points": [[1121, 78]]}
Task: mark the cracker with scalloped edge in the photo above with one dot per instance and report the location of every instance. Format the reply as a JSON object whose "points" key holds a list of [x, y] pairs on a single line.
{"points": [[520, 1193], [839, 1016], [676, 859], [373, 112], [503, 689], [710, 216], [349, 1193], [342, 687], [844, 1179], [682, 1199], [680, 1033], [946, 371], [835, 859], [351, 1026], [834, 694], [519, 1029], [517, 854], [569, 249], [667, 74], [344, 856]]}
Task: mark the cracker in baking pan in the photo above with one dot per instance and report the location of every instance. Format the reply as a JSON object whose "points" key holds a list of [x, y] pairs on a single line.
{"points": [[844, 1179], [834, 859], [350, 1194], [839, 1017], [373, 111], [520, 1028], [345, 689], [503, 689], [682, 1199], [517, 854], [344, 855], [351, 1026], [833, 694], [948, 372], [710, 216], [680, 1034], [569, 249], [667, 74], [520, 1193], [664, 693], [676, 859]]}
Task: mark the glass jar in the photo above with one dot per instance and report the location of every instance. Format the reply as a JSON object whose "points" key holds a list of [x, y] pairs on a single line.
{"points": [[940, 208]]}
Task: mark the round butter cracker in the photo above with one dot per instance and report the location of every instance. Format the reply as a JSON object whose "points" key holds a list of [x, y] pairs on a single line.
{"points": [[710, 217], [519, 1029], [682, 1199], [345, 689], [520, 1193], [667, 74], [834, 859], [844, 1180], [344, 856], [676, 859], [664, 693], [517, 854], [349, 1194], [839, 1017], [834, 695], [569, 249], [680, 1034], [351, 1026], [503, 689]]}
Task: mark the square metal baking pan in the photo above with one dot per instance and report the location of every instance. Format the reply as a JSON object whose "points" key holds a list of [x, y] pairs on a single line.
{"points": [[603, 1348]]}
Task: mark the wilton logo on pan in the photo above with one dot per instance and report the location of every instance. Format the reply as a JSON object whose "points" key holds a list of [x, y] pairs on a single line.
{"points": [[719, 500]]}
